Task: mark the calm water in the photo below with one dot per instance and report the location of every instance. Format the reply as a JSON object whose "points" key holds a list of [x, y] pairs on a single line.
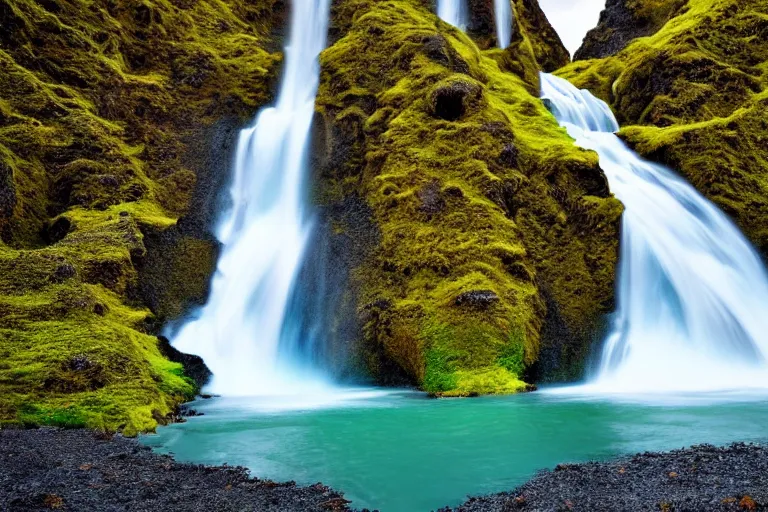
{"points": [[399, 451]]}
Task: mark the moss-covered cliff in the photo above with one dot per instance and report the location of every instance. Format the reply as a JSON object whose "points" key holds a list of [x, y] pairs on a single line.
{"points": [[103, 107], [694, 95], [494, 237], [478, 242]]}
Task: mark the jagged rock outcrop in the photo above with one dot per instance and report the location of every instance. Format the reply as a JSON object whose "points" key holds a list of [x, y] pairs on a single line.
{"points": [[530, 30], [623, 21]]}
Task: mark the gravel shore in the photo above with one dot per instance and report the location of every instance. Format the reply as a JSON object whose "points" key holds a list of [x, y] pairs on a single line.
{"points": [[79, 470], [698, 479]]}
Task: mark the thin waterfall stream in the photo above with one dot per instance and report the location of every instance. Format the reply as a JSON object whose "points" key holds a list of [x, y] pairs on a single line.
{"points": [[503, 16], [691, 290], [454, 12], [264, 233]]}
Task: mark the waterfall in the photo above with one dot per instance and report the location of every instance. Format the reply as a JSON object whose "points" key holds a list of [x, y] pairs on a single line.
{"points": [[503, 14], [454, 12], [264, 234], [691, 290]]}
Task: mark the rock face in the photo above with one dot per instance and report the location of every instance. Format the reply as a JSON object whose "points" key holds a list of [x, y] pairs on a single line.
{"points": [[109, 115], [623, 21], [487, 219], [194, 366], [530, 28], [694, 96], [533, 25]]}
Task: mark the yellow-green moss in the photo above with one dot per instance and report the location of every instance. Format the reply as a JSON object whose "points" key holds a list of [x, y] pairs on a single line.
{"points": [[73, 353], [101, 107], [473, 188]]}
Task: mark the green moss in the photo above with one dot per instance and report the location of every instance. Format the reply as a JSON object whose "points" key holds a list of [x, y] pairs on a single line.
{"points": [[487, 381], [512, 356], [439, 372], [532, 26], [472, 187]]}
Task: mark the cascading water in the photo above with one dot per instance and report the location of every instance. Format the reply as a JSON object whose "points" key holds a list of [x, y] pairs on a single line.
{"points": [[503, 15], [691, 291], [454, 12], [264, 233]]}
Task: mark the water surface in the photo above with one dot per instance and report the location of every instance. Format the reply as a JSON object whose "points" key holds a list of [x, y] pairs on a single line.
{"points": [[400, 451]]}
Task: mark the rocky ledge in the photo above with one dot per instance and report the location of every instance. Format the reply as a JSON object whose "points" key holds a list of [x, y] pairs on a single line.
{"points": [[80, 470], [701, 478]]}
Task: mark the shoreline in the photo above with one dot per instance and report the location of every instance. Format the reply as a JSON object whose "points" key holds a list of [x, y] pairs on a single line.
{"points": [[695, 479], [52, 468], [81, 470]]}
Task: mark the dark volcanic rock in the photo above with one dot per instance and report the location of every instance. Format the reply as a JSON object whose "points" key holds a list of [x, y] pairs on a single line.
{"points": [[63, 272], [622, 21], [509, 155], [480, 299], [78, 470], [7, 191], [431, 198], [696, 479], [194, 366], [57, 230]]}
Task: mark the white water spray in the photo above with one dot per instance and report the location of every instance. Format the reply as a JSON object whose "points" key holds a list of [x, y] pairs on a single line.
{"points": [[454, 12], [691, 291], [503, 16], [264, 234]]}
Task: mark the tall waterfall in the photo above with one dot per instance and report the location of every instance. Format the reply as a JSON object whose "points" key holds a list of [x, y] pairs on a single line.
{"points": [[264, 234], [691, 291], [454, 12], [503, 15]]}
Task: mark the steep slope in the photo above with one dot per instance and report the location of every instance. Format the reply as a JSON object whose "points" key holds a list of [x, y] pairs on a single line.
{"points": [[485, 239], [693, 96], [105, 108]]}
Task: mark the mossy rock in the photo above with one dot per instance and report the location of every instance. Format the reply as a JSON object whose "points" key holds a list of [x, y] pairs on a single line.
{"points": [[440, 175], [470, 186]]}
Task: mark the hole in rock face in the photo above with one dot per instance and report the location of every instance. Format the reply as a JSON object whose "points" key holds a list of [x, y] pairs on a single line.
{"points": [[450, 102], [56, 231]]}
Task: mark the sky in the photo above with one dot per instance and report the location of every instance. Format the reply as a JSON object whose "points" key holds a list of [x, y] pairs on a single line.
{"points": [[572, 18]]}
